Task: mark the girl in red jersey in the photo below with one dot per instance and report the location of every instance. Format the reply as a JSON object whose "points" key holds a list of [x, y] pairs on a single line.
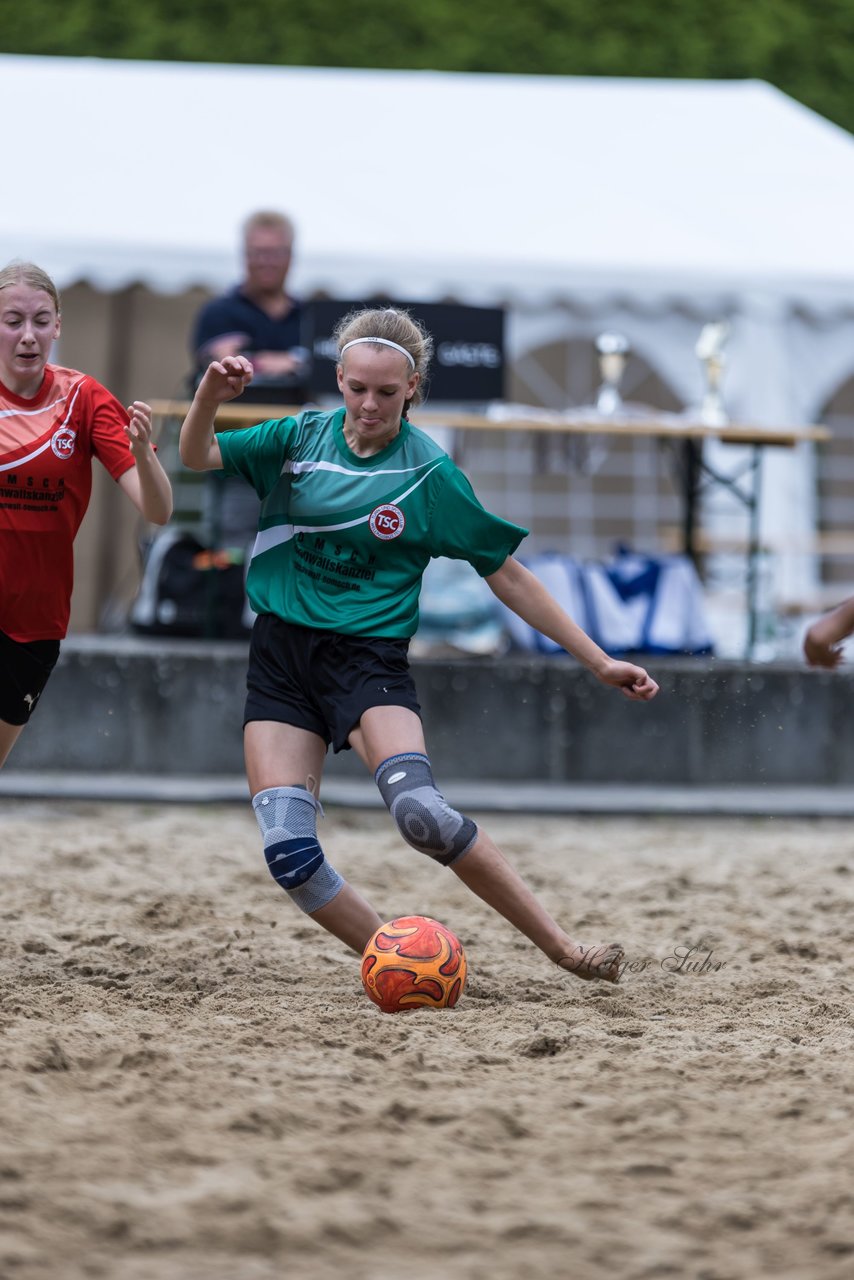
{"points": [[53, 421]]}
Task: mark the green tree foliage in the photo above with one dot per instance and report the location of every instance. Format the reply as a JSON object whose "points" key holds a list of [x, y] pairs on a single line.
{"points": [[805, 47]]}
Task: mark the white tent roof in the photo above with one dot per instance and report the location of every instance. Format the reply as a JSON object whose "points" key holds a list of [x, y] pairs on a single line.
{"points": [[426, 184]]}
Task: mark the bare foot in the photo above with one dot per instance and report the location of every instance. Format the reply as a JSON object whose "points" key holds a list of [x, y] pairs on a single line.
{"points": [[599, 960]]}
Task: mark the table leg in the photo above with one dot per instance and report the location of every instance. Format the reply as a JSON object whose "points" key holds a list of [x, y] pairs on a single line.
{"points": [[753, 549], [691, 471]]}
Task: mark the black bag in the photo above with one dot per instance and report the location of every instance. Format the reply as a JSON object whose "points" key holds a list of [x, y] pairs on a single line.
{"points": [[188, 590]]}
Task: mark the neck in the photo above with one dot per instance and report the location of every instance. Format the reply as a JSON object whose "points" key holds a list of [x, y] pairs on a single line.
{"points": [[275, 302], [24, 389], [367, 448]]}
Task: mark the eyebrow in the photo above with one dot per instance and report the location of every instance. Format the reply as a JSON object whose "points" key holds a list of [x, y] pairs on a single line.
{"points": [[383, 386]]}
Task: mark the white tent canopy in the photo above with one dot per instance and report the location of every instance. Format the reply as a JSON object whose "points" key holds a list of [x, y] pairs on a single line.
{"points": [[650, 198], [581, 204], [511, 186]]}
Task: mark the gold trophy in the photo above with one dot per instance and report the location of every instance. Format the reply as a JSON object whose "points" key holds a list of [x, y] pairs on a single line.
{"points": [[613, 350], [710, 352]]}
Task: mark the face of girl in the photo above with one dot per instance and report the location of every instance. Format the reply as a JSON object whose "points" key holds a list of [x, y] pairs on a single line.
{"points": [[28, 327], [375, 382]]}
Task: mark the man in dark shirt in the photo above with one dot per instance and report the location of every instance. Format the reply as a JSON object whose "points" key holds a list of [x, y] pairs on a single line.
{"points": [[258, 318]]}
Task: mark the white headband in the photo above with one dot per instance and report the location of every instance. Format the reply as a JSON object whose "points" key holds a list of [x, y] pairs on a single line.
{"points": [[385, 342]]}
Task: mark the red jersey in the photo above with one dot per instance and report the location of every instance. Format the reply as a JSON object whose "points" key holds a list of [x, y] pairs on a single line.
{"points": [[46, 450]]}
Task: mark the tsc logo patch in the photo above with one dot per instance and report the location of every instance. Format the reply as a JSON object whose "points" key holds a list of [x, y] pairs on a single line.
{"points": [[62, 442], [387, 521]]}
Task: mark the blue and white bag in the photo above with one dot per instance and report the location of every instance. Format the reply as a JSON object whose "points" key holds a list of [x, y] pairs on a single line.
{"points": [[631, 604]]}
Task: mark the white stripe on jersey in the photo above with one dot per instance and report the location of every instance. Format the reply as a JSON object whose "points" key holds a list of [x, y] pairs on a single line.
{"points": [[279, 534], [19, 462], [10, 466], [28, 413], [298, 468]]}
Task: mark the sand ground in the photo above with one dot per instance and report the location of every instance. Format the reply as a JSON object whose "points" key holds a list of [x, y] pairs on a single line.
{"points": [[194, 1087]]}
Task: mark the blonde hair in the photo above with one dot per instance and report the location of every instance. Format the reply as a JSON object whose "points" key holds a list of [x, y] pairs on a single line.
{"points": [[393, 326], [269, 220], [28, 273]]}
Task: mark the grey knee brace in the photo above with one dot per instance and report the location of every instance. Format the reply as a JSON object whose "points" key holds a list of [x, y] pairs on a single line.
{"points": [[423, 816], [287, 817]]}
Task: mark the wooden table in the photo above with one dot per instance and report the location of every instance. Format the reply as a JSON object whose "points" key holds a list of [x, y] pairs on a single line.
{"points": [[686, 433], [673, 426]]}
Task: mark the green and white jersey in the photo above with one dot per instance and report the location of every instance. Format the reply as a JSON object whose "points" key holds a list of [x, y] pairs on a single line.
{"points": [[343, 541]]}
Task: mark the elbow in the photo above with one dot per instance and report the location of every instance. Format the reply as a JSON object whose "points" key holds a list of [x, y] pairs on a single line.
{"points": [[190, 459], [162, 515]]}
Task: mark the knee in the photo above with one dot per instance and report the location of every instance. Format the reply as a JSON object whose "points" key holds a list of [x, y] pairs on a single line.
{"points": [[287, 818], [423, 816]]}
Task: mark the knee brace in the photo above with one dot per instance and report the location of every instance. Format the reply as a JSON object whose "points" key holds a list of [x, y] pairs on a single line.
{"points": [[287, 817], [423, 816]]}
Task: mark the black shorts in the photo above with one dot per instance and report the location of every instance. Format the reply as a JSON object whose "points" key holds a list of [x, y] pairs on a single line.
{"points": [[324, 681], [25, 668]]}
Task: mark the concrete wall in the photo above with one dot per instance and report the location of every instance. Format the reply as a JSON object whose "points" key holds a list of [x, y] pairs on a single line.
{"points": [[174, 708]]}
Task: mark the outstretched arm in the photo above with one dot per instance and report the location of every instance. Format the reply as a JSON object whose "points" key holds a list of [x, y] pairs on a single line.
{"points": [[518, 588], [222, 381], [823, 639], [147, 484]]}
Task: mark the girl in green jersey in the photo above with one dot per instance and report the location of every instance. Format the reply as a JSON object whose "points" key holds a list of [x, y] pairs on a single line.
{"points": [[354, 504]]}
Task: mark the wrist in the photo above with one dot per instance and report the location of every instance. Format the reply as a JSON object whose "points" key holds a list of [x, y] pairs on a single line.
{"points": [[208, 406], [598, 664]]}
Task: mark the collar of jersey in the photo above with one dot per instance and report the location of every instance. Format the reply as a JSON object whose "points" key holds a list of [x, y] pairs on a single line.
{"points": [[353, 458], [34, 402]]}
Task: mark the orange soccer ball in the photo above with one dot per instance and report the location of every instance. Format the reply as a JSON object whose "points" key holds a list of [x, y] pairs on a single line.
{"points": [[413, 962]]}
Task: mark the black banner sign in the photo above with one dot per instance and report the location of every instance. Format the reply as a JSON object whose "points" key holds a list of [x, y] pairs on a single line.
{"points": [[468, 356]]}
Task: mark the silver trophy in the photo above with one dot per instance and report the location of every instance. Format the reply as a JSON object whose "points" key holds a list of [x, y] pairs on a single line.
{"points": [[613, 350], [710, 352]]}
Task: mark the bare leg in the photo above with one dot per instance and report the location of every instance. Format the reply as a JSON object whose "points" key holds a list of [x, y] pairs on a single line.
{"points": [[486, 871], [8, 737], [387, 731], [349, 917], [280, 755]]}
